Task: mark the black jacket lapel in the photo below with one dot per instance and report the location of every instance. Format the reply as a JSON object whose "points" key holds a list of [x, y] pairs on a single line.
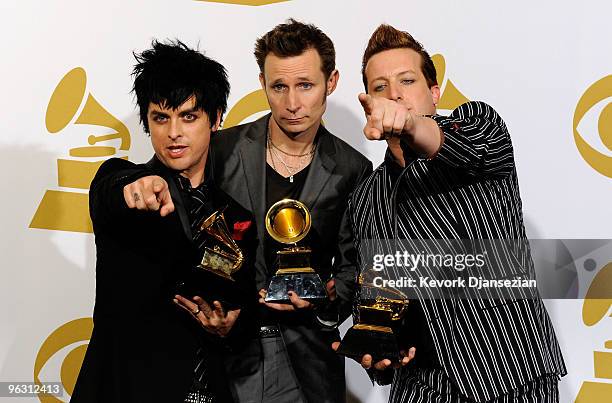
{"points": [[321, 168], [253, 159]]}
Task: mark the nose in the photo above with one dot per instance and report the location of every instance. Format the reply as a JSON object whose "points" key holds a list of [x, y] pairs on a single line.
{"points": [[174, 129], [293, 102], [394, 94]]}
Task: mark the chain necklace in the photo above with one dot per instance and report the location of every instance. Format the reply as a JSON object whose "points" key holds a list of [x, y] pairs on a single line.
{"points": [[312, 149], [272, 150]]}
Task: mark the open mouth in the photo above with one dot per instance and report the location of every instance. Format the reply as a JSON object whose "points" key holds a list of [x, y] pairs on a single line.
{"points": [[177, 150]]}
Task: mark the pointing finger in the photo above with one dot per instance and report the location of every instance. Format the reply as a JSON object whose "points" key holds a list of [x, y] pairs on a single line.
{"points": [[166, 203], [159, 184], [366, 102]]}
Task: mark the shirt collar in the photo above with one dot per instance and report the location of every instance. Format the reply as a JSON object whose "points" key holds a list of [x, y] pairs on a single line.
{"points": [[183, 183]]}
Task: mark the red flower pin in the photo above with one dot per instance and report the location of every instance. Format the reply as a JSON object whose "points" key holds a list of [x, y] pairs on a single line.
{"points": [[240, 227]]}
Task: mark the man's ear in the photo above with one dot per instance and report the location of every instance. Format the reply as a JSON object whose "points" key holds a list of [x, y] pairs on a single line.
{"points": [[262, 81], [435, 94], [332, 81], [217, 121]]}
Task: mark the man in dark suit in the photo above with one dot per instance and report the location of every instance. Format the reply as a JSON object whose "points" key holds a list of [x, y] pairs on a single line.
{"points": [[289, 154], [146, 219], [450, 178]]}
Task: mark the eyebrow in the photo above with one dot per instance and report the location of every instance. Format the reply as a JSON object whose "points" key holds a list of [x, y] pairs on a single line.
{"points": [[158, 113], [183, 112], [398, 74], [299, 79], [188, 111], [276, 82]]}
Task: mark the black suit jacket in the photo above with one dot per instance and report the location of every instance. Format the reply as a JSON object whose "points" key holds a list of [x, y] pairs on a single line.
{"points": [[238, 157], [143, 347]]}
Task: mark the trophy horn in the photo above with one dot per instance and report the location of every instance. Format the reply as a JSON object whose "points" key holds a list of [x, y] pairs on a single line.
{"points": [[288, 221], [224, 257]]}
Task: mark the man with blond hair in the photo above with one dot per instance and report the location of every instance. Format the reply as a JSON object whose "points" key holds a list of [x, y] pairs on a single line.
{"points": [[448, 178]]}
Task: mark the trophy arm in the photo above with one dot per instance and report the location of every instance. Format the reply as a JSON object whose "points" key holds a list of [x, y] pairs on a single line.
{"points": [[239, 259]]}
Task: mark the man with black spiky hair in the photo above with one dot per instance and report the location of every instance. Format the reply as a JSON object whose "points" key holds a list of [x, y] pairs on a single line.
{"points": [[146, 218]]}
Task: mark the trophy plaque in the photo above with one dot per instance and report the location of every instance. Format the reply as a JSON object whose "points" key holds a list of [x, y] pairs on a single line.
{"points": [[214, 277], [223, 257], [378, 313], [288, 222]]}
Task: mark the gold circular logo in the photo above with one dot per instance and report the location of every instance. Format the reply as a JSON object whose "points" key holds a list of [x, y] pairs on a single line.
{"points": [[75, 331], [597, 92]]}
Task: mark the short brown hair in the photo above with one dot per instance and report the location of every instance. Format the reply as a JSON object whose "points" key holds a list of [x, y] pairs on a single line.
{"points": [[387, 37], [294, 38]]}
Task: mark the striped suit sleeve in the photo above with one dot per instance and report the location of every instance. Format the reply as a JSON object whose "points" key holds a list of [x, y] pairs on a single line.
{"points": [[476, 140]]}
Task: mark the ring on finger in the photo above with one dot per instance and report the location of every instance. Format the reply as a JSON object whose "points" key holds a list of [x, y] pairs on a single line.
{"points": [[196, 312]]}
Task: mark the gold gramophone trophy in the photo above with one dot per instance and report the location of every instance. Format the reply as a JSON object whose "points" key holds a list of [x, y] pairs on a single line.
{"points": [[288, 222], [379, 312], [223, 257], [214, 277]]}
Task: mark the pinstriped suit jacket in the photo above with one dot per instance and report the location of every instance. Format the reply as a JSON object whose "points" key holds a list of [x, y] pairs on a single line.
{"points": [[468, 191]]}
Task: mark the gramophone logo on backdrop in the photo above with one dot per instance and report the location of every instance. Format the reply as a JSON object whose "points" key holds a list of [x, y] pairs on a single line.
{"points": [[67, 209], [597, 152], [595, 308], [245, 2], [451, 97], [256, 101]]}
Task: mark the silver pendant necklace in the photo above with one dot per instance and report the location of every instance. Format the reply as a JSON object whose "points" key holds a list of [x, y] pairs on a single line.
{"points": [[273, 153], [278, 157]]}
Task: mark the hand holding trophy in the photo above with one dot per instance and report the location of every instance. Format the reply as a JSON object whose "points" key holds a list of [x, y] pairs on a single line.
{"points": [[379, 310], [288, 221], [214, 278]]}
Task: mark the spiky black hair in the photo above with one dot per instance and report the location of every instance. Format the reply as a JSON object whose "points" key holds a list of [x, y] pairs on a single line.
{"points": [[170, 73]]}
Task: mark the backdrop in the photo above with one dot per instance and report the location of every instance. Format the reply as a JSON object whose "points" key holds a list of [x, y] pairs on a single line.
{"points": [[544, 65]]}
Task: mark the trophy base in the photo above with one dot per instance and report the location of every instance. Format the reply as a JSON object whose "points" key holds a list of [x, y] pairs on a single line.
{"points": [[307, 286], [217, 272], [228, 302], [211, 285], [378, 341]]}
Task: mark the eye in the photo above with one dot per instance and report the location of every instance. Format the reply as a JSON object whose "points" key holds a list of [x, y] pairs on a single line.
{"points": [[278, 87], [306, 86], [159, 118], [380, 87], [407, 81], [189, 117]]}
